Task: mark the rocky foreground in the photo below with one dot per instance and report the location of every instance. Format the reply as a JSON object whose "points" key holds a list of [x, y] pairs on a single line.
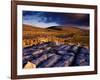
{"points": [[51, 55]]}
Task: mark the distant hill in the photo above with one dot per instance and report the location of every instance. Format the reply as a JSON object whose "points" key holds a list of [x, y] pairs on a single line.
{"points": [[30, 27], [68, 27], [55, 28]]}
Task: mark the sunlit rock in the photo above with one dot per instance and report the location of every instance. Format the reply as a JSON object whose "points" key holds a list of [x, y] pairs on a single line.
{"points": [[29, 65]]}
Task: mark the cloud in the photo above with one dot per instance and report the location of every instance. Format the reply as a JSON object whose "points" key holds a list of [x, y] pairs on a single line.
{"points": [[38, 21], [41, 24], [54, 18]]}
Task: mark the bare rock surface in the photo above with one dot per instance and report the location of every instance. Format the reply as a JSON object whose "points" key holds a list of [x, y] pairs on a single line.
{"points": [[51, 55]]}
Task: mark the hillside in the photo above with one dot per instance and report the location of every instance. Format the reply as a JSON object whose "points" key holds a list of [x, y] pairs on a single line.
{"points": [[33, 35], [30, 28]]}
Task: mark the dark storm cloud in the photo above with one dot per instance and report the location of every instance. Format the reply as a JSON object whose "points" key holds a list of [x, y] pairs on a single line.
{"points": [[50, 18]]}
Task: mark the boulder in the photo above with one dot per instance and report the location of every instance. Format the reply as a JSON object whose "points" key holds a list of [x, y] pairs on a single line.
{"points": [[29, 65]]}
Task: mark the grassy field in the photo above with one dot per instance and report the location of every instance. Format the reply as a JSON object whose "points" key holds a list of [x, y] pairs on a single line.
{"points": [[33, 35]]}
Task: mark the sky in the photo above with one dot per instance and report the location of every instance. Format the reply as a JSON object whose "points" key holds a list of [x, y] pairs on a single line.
{"points": [[48, 19]]}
